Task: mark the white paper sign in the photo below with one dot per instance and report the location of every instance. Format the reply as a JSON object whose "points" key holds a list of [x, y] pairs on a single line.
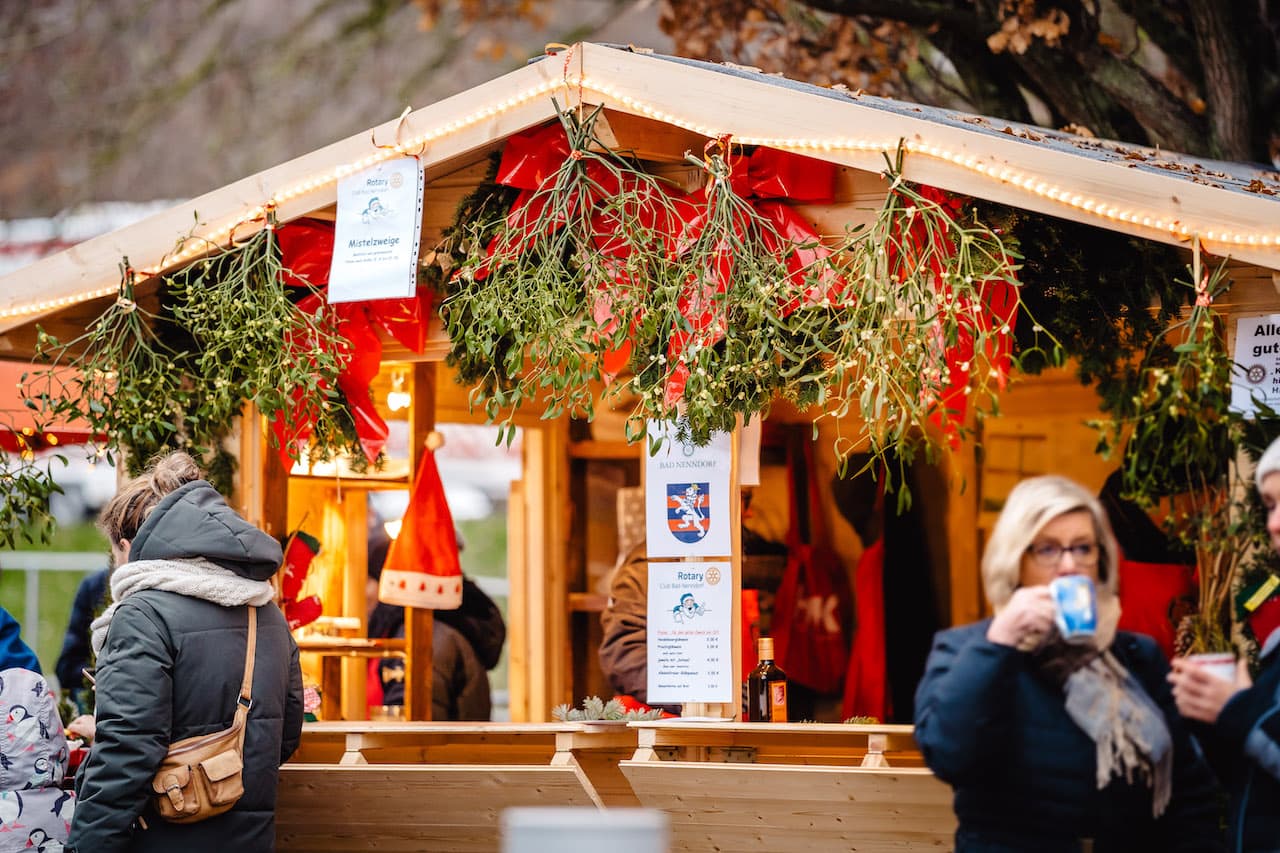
{"points": [[1257, 357], [690, 639], [686, 502], [379, 225]]}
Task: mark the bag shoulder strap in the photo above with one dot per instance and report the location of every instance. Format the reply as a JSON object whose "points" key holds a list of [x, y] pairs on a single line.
{"points": [[246, 685]]}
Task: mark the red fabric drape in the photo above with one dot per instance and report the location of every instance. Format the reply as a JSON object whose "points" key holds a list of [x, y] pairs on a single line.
{"points": [[1151, 595], [866, 683], [811, 609]]}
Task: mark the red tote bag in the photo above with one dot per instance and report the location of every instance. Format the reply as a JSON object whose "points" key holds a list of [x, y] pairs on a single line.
{"points": [[811, 610]]}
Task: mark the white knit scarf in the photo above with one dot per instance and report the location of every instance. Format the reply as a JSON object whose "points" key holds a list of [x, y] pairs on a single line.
{"points": [[195, 577]]}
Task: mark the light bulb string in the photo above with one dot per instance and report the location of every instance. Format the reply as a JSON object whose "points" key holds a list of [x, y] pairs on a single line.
{"points": [[196, 245]]}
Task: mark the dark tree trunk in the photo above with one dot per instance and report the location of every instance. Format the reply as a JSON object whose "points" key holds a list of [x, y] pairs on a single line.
{"points": [[1228, 50], [1223, 65]]}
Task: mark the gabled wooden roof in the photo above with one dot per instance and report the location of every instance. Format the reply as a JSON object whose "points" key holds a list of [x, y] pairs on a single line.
{"points": [[1233, 208]]}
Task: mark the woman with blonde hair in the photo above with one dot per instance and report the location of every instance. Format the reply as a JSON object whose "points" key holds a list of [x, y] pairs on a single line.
{"points": [[171, 659], [1056, 745]]}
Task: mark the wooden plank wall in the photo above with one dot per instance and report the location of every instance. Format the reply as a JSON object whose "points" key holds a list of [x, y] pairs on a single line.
{"points": [[716, 807], [331, 807]]}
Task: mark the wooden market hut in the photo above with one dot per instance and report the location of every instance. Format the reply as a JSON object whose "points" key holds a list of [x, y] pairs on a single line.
{"points": [[659, 108]]}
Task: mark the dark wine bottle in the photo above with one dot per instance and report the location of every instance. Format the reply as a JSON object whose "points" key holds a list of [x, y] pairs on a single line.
{"points": [[766, 688]]}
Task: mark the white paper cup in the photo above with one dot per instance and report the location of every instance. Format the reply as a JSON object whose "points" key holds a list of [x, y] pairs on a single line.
{"points": [[1219, 664]]}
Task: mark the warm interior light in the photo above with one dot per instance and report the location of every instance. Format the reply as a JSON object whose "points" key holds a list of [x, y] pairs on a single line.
{"points": [[397, 397]]}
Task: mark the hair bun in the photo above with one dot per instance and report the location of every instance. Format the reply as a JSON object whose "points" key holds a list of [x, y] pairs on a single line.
{"points": [[174, 470]]}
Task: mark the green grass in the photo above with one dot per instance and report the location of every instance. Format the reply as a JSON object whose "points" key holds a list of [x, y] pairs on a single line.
{"points": [[81, 536], [57, 589], [485, 551], [485, 554]]}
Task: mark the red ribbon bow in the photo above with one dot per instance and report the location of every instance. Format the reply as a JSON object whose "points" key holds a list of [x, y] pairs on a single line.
{"points": [[306, 249]]}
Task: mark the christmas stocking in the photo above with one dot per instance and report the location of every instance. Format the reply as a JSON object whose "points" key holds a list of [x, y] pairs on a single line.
{"points": [[422, 568], [301, 549]]}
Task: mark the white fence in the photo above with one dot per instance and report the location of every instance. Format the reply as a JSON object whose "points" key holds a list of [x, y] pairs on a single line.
{"points": [[31, 564]]}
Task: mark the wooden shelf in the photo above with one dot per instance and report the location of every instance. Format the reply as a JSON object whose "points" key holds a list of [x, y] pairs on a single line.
{"points": [[371, 484]]}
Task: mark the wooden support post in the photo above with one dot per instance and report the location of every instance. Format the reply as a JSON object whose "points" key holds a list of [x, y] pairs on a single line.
{"points": [[545, 589], [962, 529], [417, 622], [262, 493], [355, 512], [518, 640]]}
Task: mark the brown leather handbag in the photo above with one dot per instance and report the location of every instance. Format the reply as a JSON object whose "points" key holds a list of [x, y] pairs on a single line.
{"points": [[202, 776]]}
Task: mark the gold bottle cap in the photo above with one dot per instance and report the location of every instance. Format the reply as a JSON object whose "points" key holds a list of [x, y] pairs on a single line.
{"points": [[764, 648]]}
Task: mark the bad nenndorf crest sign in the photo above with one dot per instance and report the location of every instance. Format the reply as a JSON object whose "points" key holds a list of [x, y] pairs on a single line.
{"points": [[686, 495]]}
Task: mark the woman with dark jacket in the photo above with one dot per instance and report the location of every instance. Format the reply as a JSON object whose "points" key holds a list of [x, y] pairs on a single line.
{"points": [[1055, 746], [1238, 721], [171, 654]]}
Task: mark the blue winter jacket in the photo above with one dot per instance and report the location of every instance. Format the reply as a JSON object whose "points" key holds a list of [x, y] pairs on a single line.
{"points": [[997, 730], [14, 654]]}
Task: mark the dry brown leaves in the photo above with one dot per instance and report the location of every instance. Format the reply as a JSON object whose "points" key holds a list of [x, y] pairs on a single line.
{"points": [[780, 36], [1021, 23]]}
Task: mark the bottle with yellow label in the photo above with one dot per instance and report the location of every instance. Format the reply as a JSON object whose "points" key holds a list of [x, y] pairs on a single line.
{"points": [[766, 688]]}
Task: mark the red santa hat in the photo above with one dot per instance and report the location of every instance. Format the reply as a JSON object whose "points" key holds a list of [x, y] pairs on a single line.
{"points": [[422, 567]]}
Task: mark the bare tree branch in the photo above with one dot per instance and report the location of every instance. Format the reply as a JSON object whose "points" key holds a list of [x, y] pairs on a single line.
{"points": [[962, 20]]}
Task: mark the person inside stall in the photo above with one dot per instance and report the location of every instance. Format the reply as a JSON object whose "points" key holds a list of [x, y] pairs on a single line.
{"points": [[1157, 578], [465, 644], [623, 653]]}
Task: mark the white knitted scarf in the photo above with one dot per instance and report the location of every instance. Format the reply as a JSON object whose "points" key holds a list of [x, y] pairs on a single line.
{"points": [[195, 577]]}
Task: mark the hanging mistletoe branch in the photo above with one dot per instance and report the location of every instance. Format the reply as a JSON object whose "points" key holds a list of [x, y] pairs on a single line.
{"points": [[704, 306], [119, 379], [1182, 440], [227, 331]]}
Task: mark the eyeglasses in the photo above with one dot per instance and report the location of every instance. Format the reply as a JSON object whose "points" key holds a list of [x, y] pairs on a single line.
{"points": [[1049, 554]]}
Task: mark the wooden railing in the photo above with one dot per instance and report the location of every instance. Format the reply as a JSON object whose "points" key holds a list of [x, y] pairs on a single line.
{"points": [[777, 787]]}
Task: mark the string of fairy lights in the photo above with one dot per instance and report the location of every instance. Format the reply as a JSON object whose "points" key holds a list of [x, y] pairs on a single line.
{"points": [[611, 95]]}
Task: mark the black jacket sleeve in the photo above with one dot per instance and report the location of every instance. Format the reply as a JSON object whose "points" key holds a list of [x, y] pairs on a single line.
{"points": [[293, 715], [961, 722], [1191, 821], [134, 721], [1249, 726]]}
